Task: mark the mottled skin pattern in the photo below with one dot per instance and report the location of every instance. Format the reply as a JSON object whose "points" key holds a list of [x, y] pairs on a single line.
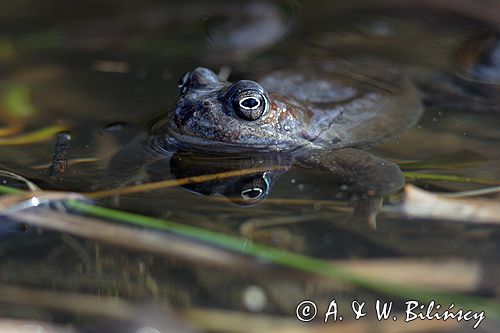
{"points": [[317, 118], [326, 109]]}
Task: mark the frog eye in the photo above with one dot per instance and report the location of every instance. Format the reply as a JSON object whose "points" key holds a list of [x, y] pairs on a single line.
{"points": [[252, 193], [254, 190], [247, 99], [250, 105]]}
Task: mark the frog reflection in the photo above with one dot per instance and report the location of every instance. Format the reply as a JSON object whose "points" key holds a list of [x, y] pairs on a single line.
{"points": [[243, 190]]}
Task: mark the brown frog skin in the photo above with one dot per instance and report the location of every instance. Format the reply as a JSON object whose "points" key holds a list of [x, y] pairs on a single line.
{"points": [[317, 119], [326, 108]]}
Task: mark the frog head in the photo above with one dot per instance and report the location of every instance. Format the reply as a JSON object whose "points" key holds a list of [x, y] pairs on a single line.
{"points": [[218, 115]]}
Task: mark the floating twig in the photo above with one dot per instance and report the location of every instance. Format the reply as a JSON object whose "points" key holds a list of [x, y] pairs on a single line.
{"points": [[60, 157], [177, 182]]}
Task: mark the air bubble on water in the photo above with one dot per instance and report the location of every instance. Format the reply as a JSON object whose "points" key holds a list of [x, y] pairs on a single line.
{"points": [[317, 206], [293, 181], [254, 298]]}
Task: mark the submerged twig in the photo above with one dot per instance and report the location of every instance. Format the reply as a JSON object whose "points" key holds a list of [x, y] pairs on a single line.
{"points": [[334, 205], [450, 274], [132, 238], [60, 157], [31, 186], [473, 193], [157, 316], [465, 276], [450, 178], [31, 326], [73, 161], [20, 200], [299, 262]]}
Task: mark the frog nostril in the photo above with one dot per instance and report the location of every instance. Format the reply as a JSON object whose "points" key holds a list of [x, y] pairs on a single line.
{"points": [[201, 77], [184, 83]]}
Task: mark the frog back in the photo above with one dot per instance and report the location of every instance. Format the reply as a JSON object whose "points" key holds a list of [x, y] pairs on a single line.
{"points": [[346, 104]]}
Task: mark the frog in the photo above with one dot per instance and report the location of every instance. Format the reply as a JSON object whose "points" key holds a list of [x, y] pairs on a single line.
{"points": [[321, 116]]}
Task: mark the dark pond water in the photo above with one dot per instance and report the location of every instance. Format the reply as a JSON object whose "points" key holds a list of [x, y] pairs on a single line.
{"points": [[103, 70]]}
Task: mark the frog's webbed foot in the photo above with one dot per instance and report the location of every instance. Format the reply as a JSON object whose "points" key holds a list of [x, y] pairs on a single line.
{"points": [[366, 177], [366, 210]]}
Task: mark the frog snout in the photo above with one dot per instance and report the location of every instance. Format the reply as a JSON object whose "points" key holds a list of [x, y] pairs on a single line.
{"points": [[198, 78]]}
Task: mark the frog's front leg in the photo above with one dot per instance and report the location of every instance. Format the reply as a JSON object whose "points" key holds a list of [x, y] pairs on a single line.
{"points": [[368, 177], [129, 164]]}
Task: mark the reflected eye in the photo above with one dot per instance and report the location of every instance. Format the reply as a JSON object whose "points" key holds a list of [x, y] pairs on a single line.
{"points": [[250, 105], [183, 83], [254, 190], [252, 193]]}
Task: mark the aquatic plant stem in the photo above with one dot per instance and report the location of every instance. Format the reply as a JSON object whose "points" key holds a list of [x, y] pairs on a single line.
{"points": [[450, 178], [284, 258], [287, 259]]}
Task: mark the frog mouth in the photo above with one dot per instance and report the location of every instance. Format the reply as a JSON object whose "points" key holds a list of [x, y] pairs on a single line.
{"points": [[190, 142]]}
